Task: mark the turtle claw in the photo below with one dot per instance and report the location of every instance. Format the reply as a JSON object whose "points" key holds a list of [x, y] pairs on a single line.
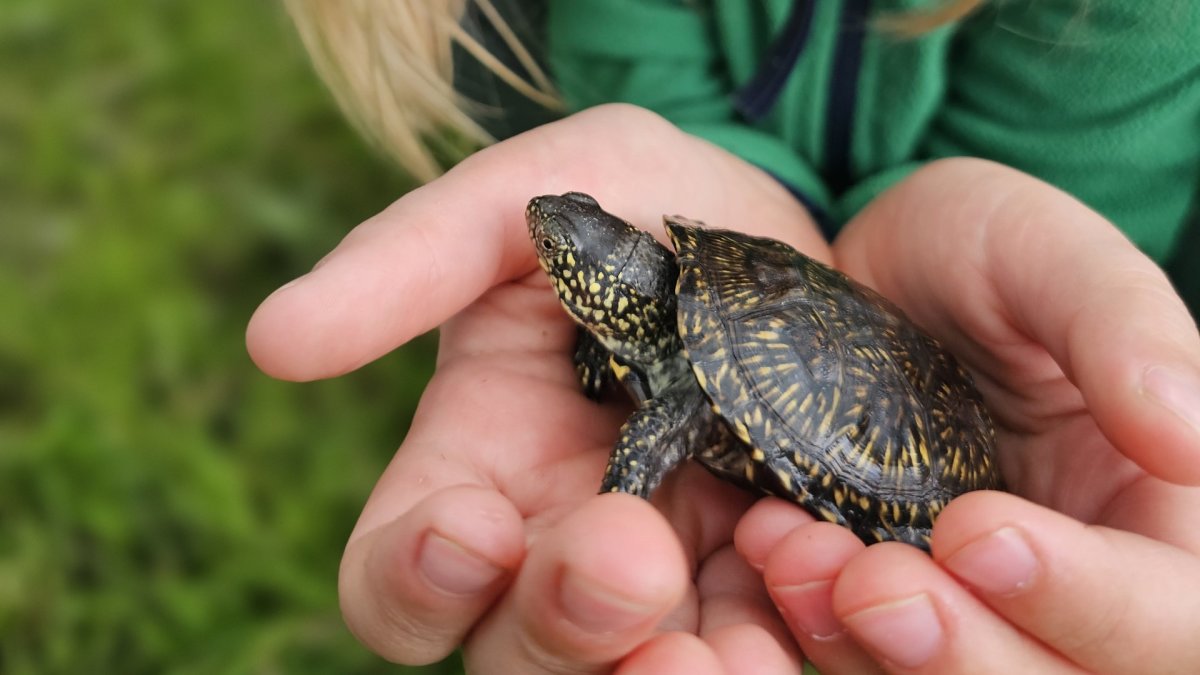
{"points": [[591, 365], [660, 434]]}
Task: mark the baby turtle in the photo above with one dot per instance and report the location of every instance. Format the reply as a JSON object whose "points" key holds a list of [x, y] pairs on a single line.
{"points": [[768, 368]]}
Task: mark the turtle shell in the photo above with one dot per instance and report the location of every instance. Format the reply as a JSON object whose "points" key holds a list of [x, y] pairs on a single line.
{"points": [[847, 407]]}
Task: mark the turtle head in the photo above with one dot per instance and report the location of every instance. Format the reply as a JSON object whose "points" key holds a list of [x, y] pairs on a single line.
{"points": [[613, 279]]}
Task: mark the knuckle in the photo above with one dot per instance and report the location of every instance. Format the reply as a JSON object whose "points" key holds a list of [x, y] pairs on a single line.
{"points": [[508, 646], [973, 168], [1095, 631], [551, 658], [1096, 626], [625, 114], [398, 635], [387, 613], [638, 132]]}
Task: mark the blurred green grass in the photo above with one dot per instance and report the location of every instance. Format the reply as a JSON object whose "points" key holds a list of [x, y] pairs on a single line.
{"points": [[164, 507]]}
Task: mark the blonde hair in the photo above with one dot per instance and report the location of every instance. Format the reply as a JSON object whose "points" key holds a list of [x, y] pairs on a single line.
{"points": [[390, 66]]}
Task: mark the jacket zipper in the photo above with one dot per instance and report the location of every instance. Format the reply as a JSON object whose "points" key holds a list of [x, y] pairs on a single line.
{"points": [[843, 94], [755, 99]]}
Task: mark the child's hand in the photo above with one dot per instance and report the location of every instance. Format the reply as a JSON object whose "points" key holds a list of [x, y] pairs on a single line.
{"points": [[485, 528], [1091, 366]]}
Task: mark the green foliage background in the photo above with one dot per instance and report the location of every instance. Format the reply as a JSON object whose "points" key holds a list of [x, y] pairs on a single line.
{"points": [[164, 507]]}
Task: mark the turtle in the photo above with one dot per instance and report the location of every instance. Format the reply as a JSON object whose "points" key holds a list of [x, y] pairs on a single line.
{"points": [[769, 368]]}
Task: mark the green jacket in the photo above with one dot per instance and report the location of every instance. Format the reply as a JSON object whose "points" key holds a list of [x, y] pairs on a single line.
{"points": [[1098, 97]]}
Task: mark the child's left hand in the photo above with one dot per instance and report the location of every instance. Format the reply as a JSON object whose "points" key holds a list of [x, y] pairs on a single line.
{"points": [[1091, 366]]}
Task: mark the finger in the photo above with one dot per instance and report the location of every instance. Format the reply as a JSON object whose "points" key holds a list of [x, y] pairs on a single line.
{"points": [[913, 617], [592, 588], [738, 618], [440, 247], [535, 453], [411, 589], [672, 654], [1112, 601], [800, 572], [748, 649], [1031, 263], [764, 526]]}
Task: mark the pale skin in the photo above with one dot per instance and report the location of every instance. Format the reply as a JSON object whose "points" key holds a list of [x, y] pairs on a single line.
{"points": [[485, 532]]}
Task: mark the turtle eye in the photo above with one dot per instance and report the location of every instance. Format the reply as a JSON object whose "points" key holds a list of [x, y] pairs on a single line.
{"points": [[547, 244]]}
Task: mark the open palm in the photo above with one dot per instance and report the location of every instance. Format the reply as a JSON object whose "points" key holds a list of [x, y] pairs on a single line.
{"points": [[486, 528]]}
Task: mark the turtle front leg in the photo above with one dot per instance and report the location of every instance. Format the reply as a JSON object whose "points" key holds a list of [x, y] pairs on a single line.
{"points": [[663, 432], [591, 365]]}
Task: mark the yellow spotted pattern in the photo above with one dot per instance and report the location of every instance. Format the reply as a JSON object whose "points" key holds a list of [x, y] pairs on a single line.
{"points": [[851, 410]]}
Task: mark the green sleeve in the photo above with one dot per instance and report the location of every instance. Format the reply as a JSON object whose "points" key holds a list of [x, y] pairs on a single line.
{"points": [[1101, 99], [1184, 266], [662, 56]]}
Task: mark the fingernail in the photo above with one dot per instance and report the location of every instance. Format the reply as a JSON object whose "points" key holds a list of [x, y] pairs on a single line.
{"points": [[809, 608], [597, 609], [1001, 562], [907, 632], [1175, 390], [453, 568]]}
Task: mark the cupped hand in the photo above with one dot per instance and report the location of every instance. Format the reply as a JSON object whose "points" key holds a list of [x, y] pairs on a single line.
{"points": [[485, 529], [1090, 364]]}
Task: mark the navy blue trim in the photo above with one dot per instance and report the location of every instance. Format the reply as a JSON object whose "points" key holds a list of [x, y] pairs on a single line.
{"points": [[828, 227], [756, 98], [843, 94]]}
